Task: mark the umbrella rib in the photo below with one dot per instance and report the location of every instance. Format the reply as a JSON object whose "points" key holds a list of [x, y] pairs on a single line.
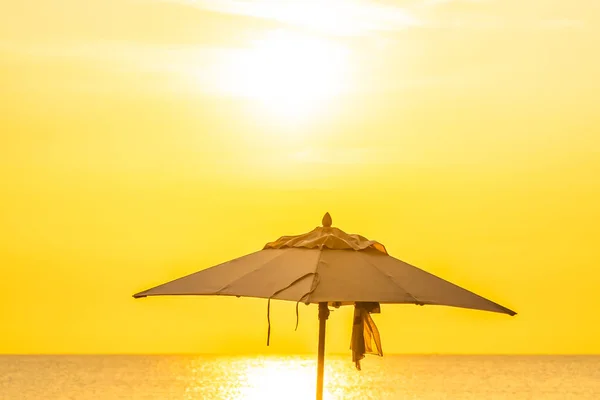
{"points": [[417, 301], [316, 278], [506, 310], [248, 273]]}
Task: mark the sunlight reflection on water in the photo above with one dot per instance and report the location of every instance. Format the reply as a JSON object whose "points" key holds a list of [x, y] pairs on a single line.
{"points": [[407, 378], [260, 378], [284, 377], [293, 377], [269, 379]]}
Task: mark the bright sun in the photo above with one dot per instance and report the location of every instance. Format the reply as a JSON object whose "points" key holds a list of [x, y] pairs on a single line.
{"points": [[289, 75]]}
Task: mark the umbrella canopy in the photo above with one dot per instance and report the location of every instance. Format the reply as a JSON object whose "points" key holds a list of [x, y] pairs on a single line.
{"points": [[329, 267], [325, 265]]}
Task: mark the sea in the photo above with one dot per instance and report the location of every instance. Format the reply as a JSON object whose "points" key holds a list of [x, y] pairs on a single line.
{"points": [[178, 377]]}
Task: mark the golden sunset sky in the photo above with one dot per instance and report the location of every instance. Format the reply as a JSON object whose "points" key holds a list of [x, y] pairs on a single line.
{"points": [[141, 140]]}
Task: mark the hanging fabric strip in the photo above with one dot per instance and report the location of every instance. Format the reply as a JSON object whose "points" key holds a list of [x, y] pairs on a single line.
{"points": [[314, 286], [365, 332], [268, 321]]}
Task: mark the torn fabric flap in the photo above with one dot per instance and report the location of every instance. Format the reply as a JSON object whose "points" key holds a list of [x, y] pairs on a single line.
{"points": [[364, 332]]}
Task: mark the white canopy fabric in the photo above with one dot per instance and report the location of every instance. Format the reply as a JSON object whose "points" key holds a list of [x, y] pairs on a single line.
{"points": [[325, 265], [326, 237]]}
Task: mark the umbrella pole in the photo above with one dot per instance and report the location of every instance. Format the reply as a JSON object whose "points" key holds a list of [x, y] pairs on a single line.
{"points": [[323, 316]]}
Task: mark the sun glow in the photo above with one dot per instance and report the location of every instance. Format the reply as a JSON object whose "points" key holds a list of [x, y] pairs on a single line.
{"points": [[289, 75]]}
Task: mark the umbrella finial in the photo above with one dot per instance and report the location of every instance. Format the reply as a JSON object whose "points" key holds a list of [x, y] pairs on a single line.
{"points": [[327, 220]]}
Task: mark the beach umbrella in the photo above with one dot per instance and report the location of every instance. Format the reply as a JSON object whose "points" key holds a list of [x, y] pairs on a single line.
{"points": [[328, 267]]}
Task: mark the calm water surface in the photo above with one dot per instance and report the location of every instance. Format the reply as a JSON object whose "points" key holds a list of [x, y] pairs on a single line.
{"points": [[293, 377]]}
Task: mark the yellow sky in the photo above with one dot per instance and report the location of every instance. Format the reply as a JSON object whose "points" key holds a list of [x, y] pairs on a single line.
{"points": [[138, 137]]}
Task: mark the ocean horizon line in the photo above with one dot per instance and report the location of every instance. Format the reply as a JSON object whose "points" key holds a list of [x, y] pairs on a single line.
{"points": [[308, 354]]}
